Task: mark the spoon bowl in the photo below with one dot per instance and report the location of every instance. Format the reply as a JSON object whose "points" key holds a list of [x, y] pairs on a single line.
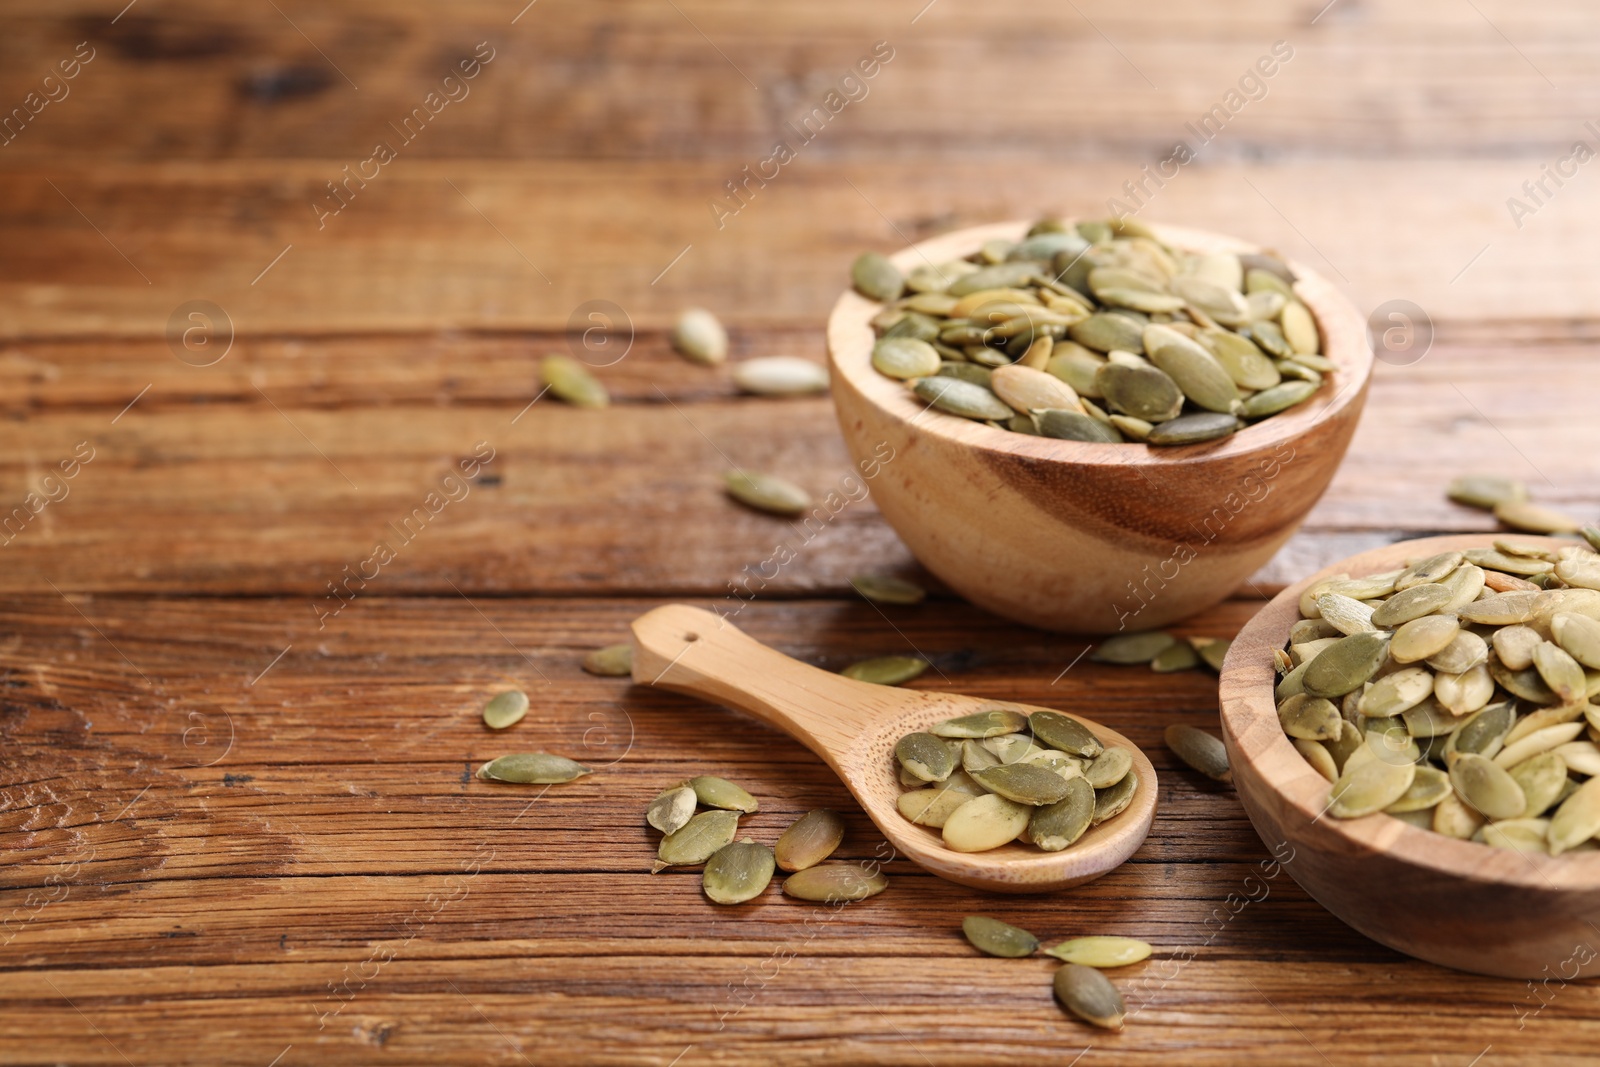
{"points": [[854, 726]]}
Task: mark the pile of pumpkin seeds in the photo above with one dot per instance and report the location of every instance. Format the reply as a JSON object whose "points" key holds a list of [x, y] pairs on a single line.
{"points": [[1005, 774], [740, 870], [1079, 985], [1098, 332], [1454, 693]]}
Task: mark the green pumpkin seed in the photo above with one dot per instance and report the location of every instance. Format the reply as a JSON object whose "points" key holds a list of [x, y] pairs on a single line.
{"points": [[1578, 636], [905, 357], [878, 279], [1485, 787], [998, 276], [995, 938], [532, 768], [966, 372], [1537, 742], [1179, 657], [1221, 303], [1505, 563], [1300, 329], [1349, 663], [1542, 778], [1421, 638], [1484, 732], [1013, 748], [738, 872], [1279, 398], [1465, 692], [1054, 827], [1543, 718], [1485, 490], [1428, 787], [925, 756], [764, 492], [1213, 651], [1073, 426], [1584, 573], [1134, 648], [1580, 757], [1101, 952], [1027, 389], [697, 840], [1246, 364], [1089, 995], [1109, 768], [1201, 751], [1464, 652], [1560, 672], [1430, 719], [1311, 718], [1024, 783], [700, 338], [505, 709], [833, 883], [1196, 371], [1521, 515], [569, 380], [672, 809], [1412, 603], [990, 723], [809, 840], [613, 661], [1514, 646], [1131, 428], [957, 397], [1319, 757], [985, 822], [886, 670], [974, 757], [1064, 733], [931, 807], [1144, 392], [1104, 332], [1577, 819], [1454, 819], [1194, 429], [887, 589], [1369, 785], [1396, 693], [1271, 339], [716, 792], [1111, 802], [1517, 835], [1345, 614]]}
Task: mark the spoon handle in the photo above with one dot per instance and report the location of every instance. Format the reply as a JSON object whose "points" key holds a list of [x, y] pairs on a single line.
{"points": [[694, 651]]}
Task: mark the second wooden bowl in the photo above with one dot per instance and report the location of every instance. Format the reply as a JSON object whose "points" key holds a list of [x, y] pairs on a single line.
{"points": [[1092, 538], [1455, 903]]}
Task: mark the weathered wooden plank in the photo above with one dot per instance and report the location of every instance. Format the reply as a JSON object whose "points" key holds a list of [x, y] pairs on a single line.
{"points": [[522, 246]]}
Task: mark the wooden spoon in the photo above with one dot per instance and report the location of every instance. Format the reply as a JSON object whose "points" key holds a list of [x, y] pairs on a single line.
{"points": [[854, 726]]}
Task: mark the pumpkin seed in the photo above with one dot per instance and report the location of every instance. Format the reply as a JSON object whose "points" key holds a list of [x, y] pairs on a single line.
{"points": [[1584, 573], [765, 492], [984, 823], [1421, 638], [1024, 783], [1194, 429], [809, 840], [1345, 614], [1560, 672], [613, 661], [833, 883], [716, 792], [930, 807], [1347, 664], [1318, 756], [1484, 732], [1485, 490], [700, 338], [1501, 609], [1412, 603], [1311, 718], [974, 757], [1013, 748], [1517, 835], [966, 372], [886, 670], [1109, 767], [1428, 787], [1537, 742], [1073, 426], [532, 768], [1431, 569], [1027, 389], [1105, 332], [1577, 819], [1453, 818], [1133, 648], [1089, 995], [1201, 751], [904, 357], [1465, 692], [1429, 719], [569, 380], [1580, 757], [1577, 635], [878, 279], [1370, 785], [671, 809], [995, 938], [1065, 733], [738, 872], [1464, 652], [1213, 651], [1111, 802], [1054, 827], [1131, 428], [925, 756], [1101, 952], [1542, 779], [1487, 788], [505, 708], [697, 840], [957, 397], [1145, 392], [1521, 515], [887, 589], [990, 723], [780, 376]]}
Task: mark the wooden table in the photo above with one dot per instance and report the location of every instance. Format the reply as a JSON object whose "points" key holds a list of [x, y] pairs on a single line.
{"points": [[241, 827]]}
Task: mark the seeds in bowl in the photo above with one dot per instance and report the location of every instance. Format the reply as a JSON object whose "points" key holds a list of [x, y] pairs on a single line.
{"points": [[1098, 332], [1454, 692], [1001, 775]]}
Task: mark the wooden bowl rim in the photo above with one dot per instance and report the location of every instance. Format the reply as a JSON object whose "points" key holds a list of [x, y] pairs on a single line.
{"points": [[1248, 707], [1344, 330]]}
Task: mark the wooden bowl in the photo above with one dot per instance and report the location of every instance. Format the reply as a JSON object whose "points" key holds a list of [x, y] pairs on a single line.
{"points": [[1455, 903], [1081, 537]]}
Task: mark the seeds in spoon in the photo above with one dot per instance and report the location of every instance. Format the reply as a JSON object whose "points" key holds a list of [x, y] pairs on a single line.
{"points": [[925, 756], [1108, 768], [532, 768], [1054, 827], [613, 661], [1067, 734], [995, 938], [738, 872], [990, 723], [984, 823], [809, 840], [1024, 783], [1111, 802], [1089, 995], [505, 708]]}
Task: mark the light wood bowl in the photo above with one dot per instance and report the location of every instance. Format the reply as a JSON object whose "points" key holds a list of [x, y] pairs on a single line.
{"points": [[1091, 538], [853, 726], [1455, 903]]}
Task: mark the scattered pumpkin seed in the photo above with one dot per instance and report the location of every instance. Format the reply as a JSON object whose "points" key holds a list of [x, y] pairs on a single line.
{"points": [[532, 768], [700, 338], [887, 589], [1175, 657], [766, 492], [613, 661], [738, 872], [780, 376], [569, 380], [1521, 515], [697, 840], [505, 709], [995, 938], [809, 840], [1089, 995], [834, 882], [1201, 751], [672, 809], [1133, 648], [716, 792]]}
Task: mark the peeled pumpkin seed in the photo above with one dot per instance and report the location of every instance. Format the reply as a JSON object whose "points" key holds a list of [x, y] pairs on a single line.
{"points": [[1194, 429], [671, 809], [1074, 426], [956, 397], [1577, 819], [991, 723], [1577, 635], [984, 823], [1395, 693], [1345, 614], [1145, 392], [1064, 733], [834, 882], [613, 661], [1420, 638], [974, 757], [887, 589], [1428, 787], [765, 492], [1501, 609], [809, 840], [1201, 751], [1454, 819], [1464, 652], [1101, 952], [1484, 733], [1369, 786], [697, 840], [1111, 802], [780, 376], [1109, 767], [716, 792], [995, 938], [1011, 748], [505, 709], [886, 670], [1196, 371], [1560, 672], [1054, 827], [1583, 573], [1089, 995], [1027, 389], [1465, 692], [569, 380], [1177, 657], [1347, 664], [1486, 788], [905, 358], [1521, 515], [925, 756], [1024, 783], [1311, 718], [876, 278], [1517, 835], [1431, 569], [738, 872], [1541, 779], [1133, 648], [1213, 651], [1537, 742], [700, 338], [532, 768], [1299, 328], [1318, 756], [1485, 490], [932, 806], [1412, 603]]}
